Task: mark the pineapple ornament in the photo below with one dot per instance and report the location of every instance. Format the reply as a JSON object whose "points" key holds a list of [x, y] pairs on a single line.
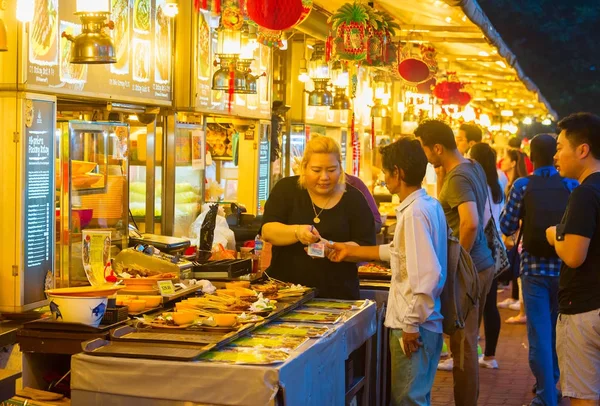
{"points": [[381, 51], [349, 32]]}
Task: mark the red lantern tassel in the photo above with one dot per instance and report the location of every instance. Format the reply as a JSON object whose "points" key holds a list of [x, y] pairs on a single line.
{"points": [[354, 146], [217, 6], [201, 4], [373, 133], [231, 86], [328, 48]]}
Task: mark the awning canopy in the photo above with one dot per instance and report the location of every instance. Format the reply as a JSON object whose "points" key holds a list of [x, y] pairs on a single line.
{"points": [[467, 43]]}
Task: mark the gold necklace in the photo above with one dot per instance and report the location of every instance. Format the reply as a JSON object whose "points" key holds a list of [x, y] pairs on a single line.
{"points": [[317, 220]]}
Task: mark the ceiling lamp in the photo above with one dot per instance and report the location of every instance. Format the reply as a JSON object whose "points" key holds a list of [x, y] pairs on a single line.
{"points": [[228, 53], [318, 69], [382, 85], [3, 38], [93, 45], [170, 8], [341, 81]]}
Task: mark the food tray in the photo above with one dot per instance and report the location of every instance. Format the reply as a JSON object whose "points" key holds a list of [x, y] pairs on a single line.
{"points": [[302, 316], [228, 268], [288, 329], [186, 336], [266, 341], [172, 352], [49, 324], [248, 356], [332, 304]]}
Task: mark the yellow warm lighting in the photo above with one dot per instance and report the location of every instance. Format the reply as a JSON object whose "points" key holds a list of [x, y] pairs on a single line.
{"points": [[507, 113], [501, 64], [527, 121], [93, 6], [511, 128], [468, 114], [170, 9], [401, 107], [25, 9], [303, 77], [483, 53], [229, 41], [484, 120], [547, 121]]}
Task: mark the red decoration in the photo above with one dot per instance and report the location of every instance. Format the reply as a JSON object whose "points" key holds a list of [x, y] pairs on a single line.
{"points": [[275, 15], [413, 70], [351, 41], [270, 38], [463, 98], [373, 141]]}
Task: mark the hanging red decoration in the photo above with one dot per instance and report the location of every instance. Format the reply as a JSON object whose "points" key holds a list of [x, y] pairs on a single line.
{"points": [[275, 15], [463, 98], [349, 30], [307, 6], [270, 38], [381, 51], [417, 63], [232, 18], [447, 90]]}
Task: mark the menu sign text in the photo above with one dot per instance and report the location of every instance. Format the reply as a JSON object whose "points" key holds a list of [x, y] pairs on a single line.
{"points": [[143, 41], [38, 230]]}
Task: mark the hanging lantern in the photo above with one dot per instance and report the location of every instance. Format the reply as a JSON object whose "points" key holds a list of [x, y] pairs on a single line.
{"points": [[382, 89], [449, 91], [270, 38], [349, 32], [411, 65], [463, 98], [318, 70], [427, 86], [341, 80], [381, 51], [277, 15]]}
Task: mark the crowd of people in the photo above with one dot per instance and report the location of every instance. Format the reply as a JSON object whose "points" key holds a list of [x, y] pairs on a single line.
{"points": [[549, 215]]}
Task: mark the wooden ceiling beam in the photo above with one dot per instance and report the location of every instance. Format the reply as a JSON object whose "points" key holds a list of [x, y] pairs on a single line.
{"points": [[440, 28]]}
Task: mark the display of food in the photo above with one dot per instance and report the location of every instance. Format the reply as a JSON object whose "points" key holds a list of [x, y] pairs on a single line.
{"points": [[258, 341], [163, 32], [288, 329], [141, 16], [250, 356], [312, 317], [70, 72], [217, 138], [238, 300], [121, 35], [141, 60], [336, 304], [373, 269], [43, 33]]}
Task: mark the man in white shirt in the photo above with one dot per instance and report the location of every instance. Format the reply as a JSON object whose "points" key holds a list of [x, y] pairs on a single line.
{"points": [[418, 258]]}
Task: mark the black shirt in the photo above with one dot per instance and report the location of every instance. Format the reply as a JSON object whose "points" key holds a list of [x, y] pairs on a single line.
{"points": [[579, 289], [349, 220]]}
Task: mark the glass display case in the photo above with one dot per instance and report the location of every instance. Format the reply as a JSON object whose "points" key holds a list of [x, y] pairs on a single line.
{"points": [[92, 190]]}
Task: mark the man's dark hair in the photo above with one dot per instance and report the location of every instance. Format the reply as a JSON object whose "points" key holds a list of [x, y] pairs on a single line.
{"points": [[583, 128], [473, 132], [543, 149], [514, 142], [433, 132], [408, 155]]}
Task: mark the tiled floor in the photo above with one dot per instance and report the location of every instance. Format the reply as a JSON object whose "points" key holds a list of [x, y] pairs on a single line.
{"points": [[510, 384]]}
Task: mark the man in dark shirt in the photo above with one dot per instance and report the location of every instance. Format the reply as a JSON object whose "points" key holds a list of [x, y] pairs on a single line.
{"points": [[577, 242], [462, 191]]}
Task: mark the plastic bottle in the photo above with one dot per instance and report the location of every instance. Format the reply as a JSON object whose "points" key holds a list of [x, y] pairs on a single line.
{"points": [[258, 247]]}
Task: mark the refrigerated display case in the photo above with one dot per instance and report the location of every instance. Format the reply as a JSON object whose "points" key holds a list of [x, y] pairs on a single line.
{"points": [[93, 190]]}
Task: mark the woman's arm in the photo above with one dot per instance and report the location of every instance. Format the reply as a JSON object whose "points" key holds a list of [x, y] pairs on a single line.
{"points": [[280, 234]]}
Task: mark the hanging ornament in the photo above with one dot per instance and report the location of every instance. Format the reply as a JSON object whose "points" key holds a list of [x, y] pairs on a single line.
{"points": [[270, 38], [381, 51], [349, 27], [463, 98], [307, 6], [278, 15], [232, 17], [411, 65], [427, 86]]}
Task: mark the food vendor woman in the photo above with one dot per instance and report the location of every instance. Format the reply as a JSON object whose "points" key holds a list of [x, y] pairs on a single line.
{"points": [[318, 203]]}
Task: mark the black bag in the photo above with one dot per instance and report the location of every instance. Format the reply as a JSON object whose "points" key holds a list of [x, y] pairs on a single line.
{"points": [[544, 204]]}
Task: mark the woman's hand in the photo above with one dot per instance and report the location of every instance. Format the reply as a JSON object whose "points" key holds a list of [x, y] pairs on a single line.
{"points": [[337, 252], [307, 234]]}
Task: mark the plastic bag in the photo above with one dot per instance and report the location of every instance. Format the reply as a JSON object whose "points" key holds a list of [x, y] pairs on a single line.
{"points": [[222, 234]]}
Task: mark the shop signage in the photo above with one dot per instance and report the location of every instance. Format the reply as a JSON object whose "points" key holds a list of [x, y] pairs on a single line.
{"points": [[143, 38], [264, 168], [38, 233]]}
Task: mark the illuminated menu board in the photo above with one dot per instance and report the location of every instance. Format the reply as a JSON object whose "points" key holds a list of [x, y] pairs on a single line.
{"points": [[38, 229], [143, 38]]}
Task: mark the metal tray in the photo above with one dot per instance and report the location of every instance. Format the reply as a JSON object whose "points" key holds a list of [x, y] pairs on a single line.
{"points": [[171, 352], [49, 324]]}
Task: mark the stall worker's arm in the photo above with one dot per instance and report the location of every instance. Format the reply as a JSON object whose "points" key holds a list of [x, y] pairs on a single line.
{"points": [[511, 214], [276, 228], [578, 228], [425, 277]]}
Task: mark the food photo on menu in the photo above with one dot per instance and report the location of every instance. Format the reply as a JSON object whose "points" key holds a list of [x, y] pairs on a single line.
{"points": [[163, 33], [203, 48], [141, 16], [141, 60], [120, 16], [71, 73], [43, 33]]}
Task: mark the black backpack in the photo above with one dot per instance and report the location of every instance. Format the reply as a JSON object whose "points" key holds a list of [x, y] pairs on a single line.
{"points": [[544, 204]]}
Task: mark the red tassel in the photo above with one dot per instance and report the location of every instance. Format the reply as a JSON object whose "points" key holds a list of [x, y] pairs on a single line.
{"points": [[217, 6], [373, 133], [201, 4], [328, 48], [242, 4], [231, 88], [355, 156]]}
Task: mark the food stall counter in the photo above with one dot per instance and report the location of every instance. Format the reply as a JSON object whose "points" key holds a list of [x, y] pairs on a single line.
{"points": [[314, 374]]}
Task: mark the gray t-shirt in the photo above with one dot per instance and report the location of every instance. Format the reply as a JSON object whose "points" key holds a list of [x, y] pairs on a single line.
{"points": [[467, 183]]}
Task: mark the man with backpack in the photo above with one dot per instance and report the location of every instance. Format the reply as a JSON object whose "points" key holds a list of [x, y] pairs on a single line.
{"points": [[534, 204], [576, 240], [418, 257], [462, 191]]}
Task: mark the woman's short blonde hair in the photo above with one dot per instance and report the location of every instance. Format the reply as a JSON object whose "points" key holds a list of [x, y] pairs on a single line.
{"points": [[320, 145]]}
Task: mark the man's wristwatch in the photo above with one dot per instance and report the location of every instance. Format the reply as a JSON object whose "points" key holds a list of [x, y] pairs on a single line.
{"points": [[560, 232]]}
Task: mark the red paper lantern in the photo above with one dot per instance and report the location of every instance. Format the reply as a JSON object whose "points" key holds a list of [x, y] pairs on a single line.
{"points": [[463, 98], [277, 15], [413, 70], [447, 90]]}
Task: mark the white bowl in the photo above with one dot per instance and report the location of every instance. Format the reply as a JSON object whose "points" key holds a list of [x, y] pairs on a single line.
{"points": [[86, 310]]}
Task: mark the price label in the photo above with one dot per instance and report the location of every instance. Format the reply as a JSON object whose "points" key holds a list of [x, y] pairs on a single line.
{"points": [[166, 288]]}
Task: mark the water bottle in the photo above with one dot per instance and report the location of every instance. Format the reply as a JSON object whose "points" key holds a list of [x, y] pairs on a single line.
{"points": [[258, 247]]}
